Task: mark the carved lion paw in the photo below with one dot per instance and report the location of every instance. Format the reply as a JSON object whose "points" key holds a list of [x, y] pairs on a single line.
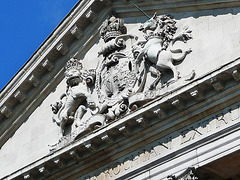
{"points": [[186, 35], [120, 42]]}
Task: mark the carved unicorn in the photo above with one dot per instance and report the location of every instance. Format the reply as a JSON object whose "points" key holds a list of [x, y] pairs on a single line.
{"points": [[159, 32]]}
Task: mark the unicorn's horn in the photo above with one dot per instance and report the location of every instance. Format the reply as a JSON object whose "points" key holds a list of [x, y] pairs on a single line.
{"points": [[141, 11]]}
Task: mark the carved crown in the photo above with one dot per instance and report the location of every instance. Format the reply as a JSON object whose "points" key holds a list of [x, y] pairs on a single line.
{"points": [[112, 28], [73, 68]]}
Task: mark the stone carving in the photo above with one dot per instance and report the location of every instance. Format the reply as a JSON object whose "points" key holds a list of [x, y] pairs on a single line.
{"points": [[159, 32], [73, 104], [189, 174], [122, 80], [116, 73], [112, 28]]}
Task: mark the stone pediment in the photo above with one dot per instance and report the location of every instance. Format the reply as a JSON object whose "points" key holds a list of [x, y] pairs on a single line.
{"points": [[124, 91]]}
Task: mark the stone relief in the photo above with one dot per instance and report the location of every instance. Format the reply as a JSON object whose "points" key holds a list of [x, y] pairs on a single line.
{"points": [[159, 32], [188, 174], [129, 73], [73, 104]]}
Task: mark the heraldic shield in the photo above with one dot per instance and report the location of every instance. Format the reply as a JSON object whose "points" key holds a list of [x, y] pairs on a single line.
{"points": [[130, 72], [116, 77]]}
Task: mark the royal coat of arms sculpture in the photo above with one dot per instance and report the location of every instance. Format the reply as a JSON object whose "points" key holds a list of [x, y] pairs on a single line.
{"points": [[129, 74]]}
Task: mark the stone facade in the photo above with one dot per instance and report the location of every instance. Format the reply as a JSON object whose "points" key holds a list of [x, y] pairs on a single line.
{"points": [[128, 91]]}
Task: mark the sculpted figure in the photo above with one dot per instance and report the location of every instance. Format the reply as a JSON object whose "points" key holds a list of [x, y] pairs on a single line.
{"points": [[74, 102], [159, 32], [121, 82]]}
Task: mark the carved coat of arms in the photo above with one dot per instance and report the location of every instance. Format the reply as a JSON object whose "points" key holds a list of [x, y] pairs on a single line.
{"points": [[130, 72], [116, 73]]}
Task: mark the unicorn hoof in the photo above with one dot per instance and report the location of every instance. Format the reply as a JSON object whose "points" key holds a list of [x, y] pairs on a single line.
{"points": [[173, 80]]}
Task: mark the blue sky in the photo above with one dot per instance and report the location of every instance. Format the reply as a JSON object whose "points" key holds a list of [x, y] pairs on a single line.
{"points": [[24, 25]]}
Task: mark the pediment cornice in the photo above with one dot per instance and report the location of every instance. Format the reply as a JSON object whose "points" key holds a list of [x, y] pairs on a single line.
{"points": [[40, 73], [80, 28], [175, 110]]}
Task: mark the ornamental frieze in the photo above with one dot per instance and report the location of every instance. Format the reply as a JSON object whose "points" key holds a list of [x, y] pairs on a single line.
{"points": [[130, 72]]}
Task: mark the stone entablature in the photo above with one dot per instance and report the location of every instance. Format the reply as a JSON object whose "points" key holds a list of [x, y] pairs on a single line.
{"points": [[181, 103], [189, 124], [193, 136], [49, 59]]}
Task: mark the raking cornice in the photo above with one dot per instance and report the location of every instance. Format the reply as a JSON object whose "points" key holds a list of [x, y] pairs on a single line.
{"points": [[44, 70]]}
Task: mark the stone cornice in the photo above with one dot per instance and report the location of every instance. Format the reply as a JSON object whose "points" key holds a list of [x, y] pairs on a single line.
{"points": [[31, 84], [180, 107], [35, 78], [173, 6], [49, 59]]}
